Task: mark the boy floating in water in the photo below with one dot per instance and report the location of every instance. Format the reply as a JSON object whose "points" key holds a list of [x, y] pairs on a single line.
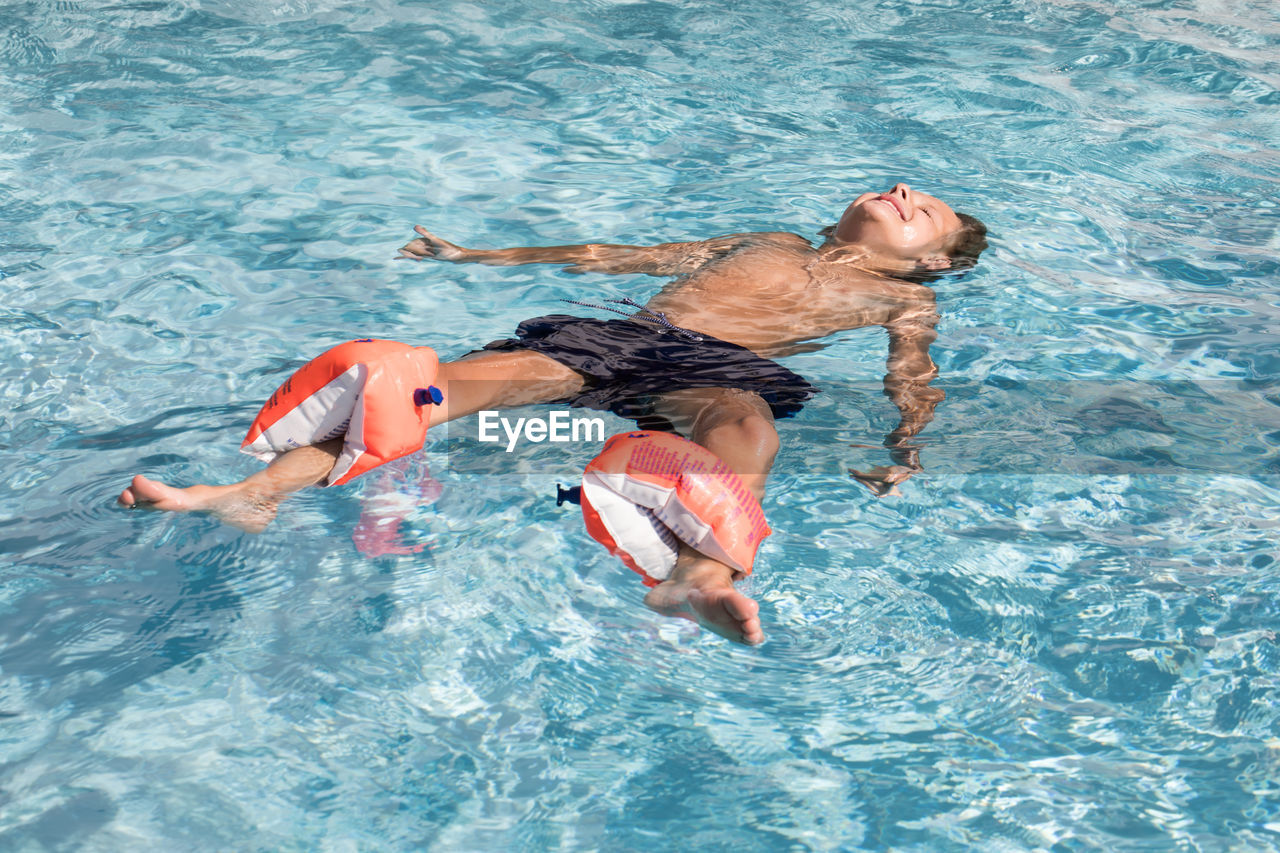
{"points": [[696, 355]]}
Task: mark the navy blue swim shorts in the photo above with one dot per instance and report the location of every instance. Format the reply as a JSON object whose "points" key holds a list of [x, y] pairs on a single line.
{"points": [[627, 362]]}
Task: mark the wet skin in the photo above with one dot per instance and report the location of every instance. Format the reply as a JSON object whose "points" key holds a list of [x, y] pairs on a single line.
{"points": [[772, 292], [769, 292]]}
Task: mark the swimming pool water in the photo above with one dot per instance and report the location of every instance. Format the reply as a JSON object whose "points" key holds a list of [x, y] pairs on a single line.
{"points": [[1063, 637]]}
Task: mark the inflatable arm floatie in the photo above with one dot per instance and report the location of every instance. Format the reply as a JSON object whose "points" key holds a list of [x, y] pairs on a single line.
{"points": [[648, 491], [376, 393]]}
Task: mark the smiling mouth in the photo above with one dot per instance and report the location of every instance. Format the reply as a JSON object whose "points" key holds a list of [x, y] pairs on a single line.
{"points": [[893, 201]]}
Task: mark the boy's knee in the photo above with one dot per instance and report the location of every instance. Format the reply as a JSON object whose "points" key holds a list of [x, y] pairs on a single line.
{"points": [[746, 422], [759, 433]]}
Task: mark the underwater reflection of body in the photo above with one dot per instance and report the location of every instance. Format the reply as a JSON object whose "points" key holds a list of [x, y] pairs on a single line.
{"points": [[698, 355], [401, 487]]}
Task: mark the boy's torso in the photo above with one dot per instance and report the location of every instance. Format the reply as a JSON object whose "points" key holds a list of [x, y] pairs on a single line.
{"points": [[776, 291]]}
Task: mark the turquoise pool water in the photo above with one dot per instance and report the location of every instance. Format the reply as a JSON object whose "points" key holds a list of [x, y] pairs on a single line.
{"points": [[1063, 637]]}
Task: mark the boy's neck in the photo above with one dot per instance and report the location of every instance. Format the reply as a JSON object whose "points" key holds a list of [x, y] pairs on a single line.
{"points": [[860, 257]]}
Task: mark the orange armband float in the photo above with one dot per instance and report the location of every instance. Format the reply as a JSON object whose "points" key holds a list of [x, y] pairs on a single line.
{"points": [[648, 491], [376, 393]]}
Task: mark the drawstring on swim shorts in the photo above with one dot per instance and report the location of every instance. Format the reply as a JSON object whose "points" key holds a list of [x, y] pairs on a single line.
{"points": [[656, 317]]}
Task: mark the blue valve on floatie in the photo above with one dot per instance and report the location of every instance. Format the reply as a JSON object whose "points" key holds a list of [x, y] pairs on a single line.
{"points": [[430, 395], [572, 495]]}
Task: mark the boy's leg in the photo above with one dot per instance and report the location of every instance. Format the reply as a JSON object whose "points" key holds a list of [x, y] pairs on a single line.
{"points": [[738, 427], [484, 381], [500, 380], [249, 504]]}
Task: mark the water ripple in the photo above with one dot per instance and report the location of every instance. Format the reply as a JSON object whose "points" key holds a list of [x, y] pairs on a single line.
{"points": [[1061, 636]]}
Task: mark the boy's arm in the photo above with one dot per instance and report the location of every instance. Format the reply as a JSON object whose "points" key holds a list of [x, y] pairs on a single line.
{"points": [[910, 370], [664, 259]]}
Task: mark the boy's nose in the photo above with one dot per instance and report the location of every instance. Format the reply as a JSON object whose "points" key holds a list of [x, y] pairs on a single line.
{"points": [[903, 192]]}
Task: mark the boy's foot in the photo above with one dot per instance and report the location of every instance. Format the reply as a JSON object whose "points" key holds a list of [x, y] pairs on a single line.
{"points": [[702, 589], [232, 505]]}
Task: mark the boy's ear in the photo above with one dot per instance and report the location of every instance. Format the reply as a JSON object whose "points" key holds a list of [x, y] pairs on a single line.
{"points": [[936, 262]]}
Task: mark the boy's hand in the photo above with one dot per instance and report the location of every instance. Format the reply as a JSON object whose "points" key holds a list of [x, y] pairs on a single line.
{"points": [[883, 480], [429, 245]]}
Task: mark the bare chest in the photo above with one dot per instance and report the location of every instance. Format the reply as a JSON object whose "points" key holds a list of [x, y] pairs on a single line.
{"points": [[776, 301]]}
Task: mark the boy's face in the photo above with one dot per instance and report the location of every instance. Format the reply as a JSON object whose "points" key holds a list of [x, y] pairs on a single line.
{"points": [[903, 224]]}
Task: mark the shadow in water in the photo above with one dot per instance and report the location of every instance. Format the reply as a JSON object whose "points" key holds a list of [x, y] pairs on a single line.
{"points": [[88, 628], [65, 826]]}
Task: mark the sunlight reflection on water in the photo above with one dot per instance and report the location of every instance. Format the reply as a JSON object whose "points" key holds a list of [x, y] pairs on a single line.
{"points": [[1061, 634]]}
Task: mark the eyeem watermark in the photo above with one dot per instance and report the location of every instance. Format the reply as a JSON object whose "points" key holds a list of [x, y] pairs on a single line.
{"points": [[1024, 427], [556, 427]]}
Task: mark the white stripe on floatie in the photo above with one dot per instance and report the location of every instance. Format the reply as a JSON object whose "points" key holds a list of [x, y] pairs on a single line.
{"points": [[635, 529], [646, 520], [353, 446], [330, 411]]}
